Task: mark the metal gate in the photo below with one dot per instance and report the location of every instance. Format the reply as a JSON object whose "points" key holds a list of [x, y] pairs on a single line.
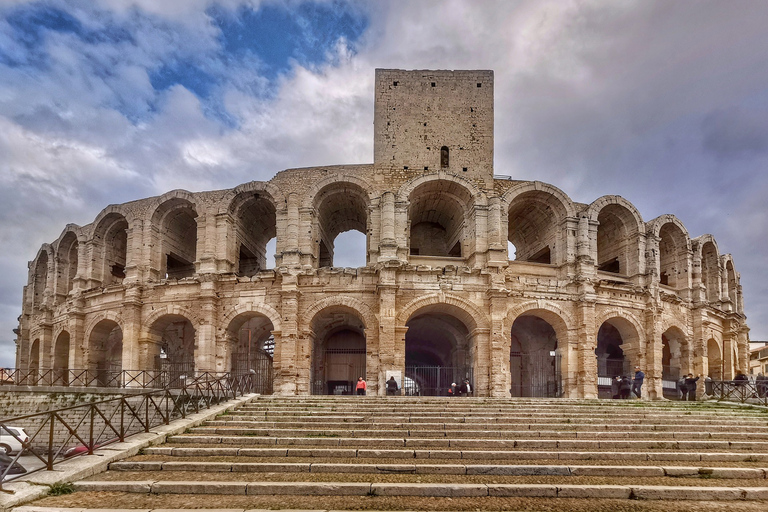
{"points": [[339, 371], [434, 380], [535, 375], [607, 370], [259, 364]]}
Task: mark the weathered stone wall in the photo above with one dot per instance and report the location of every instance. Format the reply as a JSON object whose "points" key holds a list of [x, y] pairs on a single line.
{"points": [[439, 286]]}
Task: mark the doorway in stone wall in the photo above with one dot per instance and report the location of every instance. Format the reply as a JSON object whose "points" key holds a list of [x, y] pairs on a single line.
{"points": [[534, 362], [437, 353]]}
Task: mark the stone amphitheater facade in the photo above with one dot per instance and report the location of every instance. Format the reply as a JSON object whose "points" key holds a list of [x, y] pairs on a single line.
{"points": [[591, 290]]}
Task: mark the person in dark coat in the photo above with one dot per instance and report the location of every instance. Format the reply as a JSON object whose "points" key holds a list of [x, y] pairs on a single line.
{"points": [[761, 382], [625, 387], [637, 383], [392, 386], [465, 388], [690, 386]]}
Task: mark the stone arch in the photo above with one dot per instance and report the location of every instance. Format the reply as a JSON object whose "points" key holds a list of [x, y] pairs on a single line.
{"points": [[169, 310], [715, 360], [40, 279], [441, 217], [109, 247], [253, 212], [560, 319], [340, 204], [538, 337], [232, 199], [618, 235], [339, 344], [676, 357], [362, 309], [672, 262], [535, 213], [246, 345], [730, 281], [174, 228], [95, 318], [619, 346], [469, 313], [407, 188], [258, 308], [706, 251], [34, 356], [104, 352], [67, 260], [170, 336], [61, 355]]}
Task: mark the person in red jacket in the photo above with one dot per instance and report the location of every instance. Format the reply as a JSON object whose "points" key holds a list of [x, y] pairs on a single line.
{"points": [[360, 388]]}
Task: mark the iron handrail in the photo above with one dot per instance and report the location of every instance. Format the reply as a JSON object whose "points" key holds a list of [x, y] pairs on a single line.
{"points": [[96, 424], [742, 391], [138, 379]]}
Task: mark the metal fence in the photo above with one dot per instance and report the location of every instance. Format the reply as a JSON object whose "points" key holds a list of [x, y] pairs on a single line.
{"points": [[434, 380], [743, 391], [170, 375], [80, 429], [535, 375]]}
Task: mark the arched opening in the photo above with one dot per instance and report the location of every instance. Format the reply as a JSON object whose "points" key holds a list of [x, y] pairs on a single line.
{"points": [[710, 273], [178, 238], [533, 360], [444, 157], [733, 287], [174, 349], [617, 240], [338, 351], [67, 264], [252, 349], [105, 353], [438, 350], [613, 339], [111, 242], [714, 360], [34, 360], [533, 226], [61, 360], [350, 249], [255, 225], [674, 360], [673, 256], [40, 278], [437, 219], [341, 208]]}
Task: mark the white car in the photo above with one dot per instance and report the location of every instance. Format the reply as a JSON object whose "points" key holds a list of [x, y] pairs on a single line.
{"points": [[8, 443]]}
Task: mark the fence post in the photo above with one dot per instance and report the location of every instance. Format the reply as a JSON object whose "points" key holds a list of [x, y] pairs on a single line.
{"points": [[51, 430]]}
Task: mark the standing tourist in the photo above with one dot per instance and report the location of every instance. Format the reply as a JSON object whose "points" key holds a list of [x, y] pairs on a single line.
{"points": [[392, 386], [637, 384], [360, 387], [690, 387]]}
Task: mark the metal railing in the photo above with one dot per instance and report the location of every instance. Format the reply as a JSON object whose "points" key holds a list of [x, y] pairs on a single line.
{"points": [[79, 429], [743, 391], [138, 379]]}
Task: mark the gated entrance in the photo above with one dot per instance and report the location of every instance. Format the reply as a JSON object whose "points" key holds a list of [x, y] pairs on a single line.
{"points": [[259, 364], [340, 371], [434, 380], [535, 374]]}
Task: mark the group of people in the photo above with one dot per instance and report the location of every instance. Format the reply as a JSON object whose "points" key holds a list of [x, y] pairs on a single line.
{"points": [[687, 386], [465, 389], [623, 386]]}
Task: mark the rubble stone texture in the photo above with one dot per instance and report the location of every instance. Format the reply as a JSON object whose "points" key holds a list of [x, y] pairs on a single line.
{"points": [[590, 290]]}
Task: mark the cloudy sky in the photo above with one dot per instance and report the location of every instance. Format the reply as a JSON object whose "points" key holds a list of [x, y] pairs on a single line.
{"points": [[664, 103]]}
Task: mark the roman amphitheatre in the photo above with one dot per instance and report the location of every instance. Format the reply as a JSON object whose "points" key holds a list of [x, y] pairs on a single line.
{"points": [[468, 274]]}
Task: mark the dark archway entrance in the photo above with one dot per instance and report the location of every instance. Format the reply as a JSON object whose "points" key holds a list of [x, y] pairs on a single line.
{"points": [[533, 359], [252, 349], [105, 353], [338, 352], [437, 353]]}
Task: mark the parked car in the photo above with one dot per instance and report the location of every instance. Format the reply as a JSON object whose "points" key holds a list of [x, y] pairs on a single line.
{"points": [[10, 444], [15, 467]]}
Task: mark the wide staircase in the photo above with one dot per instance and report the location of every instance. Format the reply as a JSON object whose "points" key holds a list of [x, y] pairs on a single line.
{"points": [[407, 453]]}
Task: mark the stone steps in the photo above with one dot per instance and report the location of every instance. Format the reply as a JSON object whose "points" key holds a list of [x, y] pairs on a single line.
{"points": [[482, 448]]}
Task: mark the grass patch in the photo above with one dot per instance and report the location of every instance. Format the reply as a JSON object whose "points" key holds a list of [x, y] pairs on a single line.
{"points": [[61, 489]]}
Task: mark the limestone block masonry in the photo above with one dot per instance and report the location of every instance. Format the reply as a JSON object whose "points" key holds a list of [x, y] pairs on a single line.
{"points": [[506, 283]]}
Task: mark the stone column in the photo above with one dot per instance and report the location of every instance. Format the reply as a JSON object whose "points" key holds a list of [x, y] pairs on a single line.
{"points": [[481, 355], [499, 339], [387, 350], [290, 365], [205, 337], [131, 315], [652, 366]]}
